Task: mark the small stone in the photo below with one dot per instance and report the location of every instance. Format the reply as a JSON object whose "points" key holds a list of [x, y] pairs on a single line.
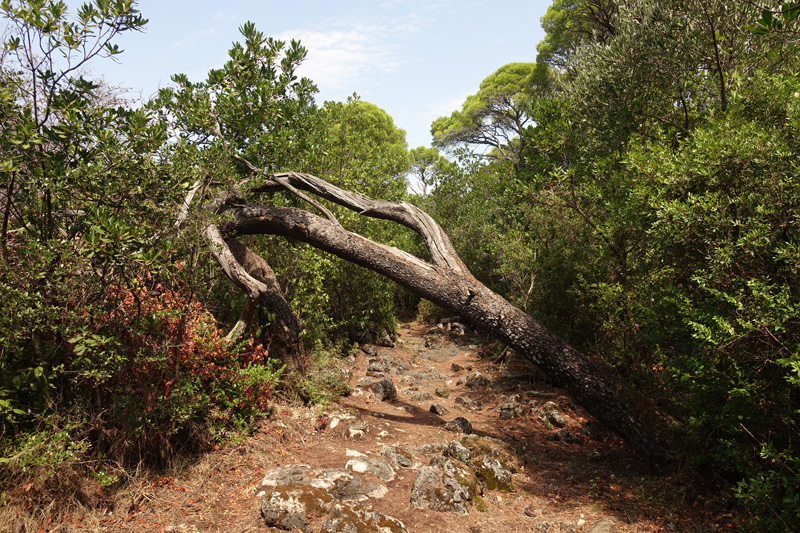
{"points": [[385, 341], [467, 403], [442, 392], [421, 396], [459, 425], [370, 350], [564, 436], [438, 409], [398, 455], [476, 379], [512, 408], [357, 429], [385, 390], [455, 367]]}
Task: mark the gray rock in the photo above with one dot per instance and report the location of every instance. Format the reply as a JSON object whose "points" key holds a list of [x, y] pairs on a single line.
{"points": [[357, 518], [429, 449], [438, 409], [459, 425], [357, 429], [458, 451], [494, 475], [288, 506], [467, 403], [344, 485], [444, 486], [287, 475], [476, 379], [421, 397], [564, 436], [370, 350], [398, 455], [512, 408], [607, 525], [377, 467], [385, 390], [455, 367], [442, 392], [552, 415], [399, 367], [385, 341], [378, 367]]}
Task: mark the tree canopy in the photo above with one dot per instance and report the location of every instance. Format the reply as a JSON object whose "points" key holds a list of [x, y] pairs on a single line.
{"points": [[632, 190]]}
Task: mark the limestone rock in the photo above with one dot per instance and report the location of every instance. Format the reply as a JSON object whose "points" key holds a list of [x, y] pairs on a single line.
{"points": [[444, 486], [459, 425], [377, 467], [357, 518], [385, 390], [494, 475], [398, 455], [288, 506], [512, 408], [458, 451], [438, 409], [564, 436], [442, 392], [476, 379]]}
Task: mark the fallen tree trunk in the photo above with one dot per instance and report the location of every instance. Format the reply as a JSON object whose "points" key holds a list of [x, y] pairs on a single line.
{"points": [[448, 283]]}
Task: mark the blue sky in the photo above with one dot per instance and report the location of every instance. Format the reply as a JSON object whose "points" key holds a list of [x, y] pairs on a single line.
{"points": [[417, 59]]}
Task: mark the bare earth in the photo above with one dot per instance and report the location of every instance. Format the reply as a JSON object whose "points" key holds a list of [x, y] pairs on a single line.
{"points": [[590, 486]]}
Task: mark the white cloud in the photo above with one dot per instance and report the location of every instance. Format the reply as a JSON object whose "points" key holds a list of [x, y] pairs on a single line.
{"points": [[348, 54]]}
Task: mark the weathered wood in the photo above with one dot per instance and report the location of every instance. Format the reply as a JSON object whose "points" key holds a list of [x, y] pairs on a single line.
{"points": [[255, 277], [447, 282]]}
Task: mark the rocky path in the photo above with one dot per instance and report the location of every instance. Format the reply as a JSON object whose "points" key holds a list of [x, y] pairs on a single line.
{"points": [[434, 438]]}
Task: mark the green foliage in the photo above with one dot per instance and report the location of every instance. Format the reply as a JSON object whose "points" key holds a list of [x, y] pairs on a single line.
{"points": [[496, 115], [571, 24], [652, 221]]}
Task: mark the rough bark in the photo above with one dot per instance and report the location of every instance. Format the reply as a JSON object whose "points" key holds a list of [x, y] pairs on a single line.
{"points": [[266, 308], [447, 282]]}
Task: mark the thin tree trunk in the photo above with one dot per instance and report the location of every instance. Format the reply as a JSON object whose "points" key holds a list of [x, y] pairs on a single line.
{"points": [[266, 308]]}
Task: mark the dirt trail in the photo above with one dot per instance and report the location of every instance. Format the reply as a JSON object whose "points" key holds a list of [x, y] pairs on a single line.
{"points": [[578, 485]]}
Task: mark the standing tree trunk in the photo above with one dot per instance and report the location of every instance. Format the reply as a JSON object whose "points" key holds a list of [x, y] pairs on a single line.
{"points": [[447, 282], [266, 308]]}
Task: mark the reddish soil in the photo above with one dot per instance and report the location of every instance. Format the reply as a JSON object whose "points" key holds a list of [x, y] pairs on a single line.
{"points": [[559, 486]]}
